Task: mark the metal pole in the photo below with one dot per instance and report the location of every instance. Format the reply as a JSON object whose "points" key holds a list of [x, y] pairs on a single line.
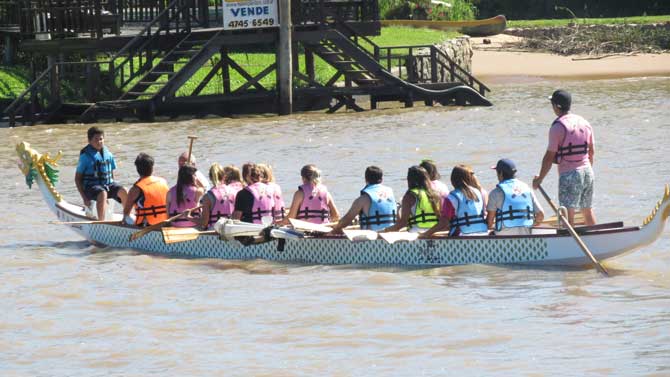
{"points": [[284, 57]]}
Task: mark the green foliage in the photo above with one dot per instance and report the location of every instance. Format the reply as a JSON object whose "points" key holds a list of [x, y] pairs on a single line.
{"points": [[435, 10], [13, 81]]}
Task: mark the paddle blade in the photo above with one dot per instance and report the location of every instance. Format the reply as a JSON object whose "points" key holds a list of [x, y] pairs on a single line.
{"points": [[392, 237], [230, 229], [309, 227], [174, 235], [360, 235]]}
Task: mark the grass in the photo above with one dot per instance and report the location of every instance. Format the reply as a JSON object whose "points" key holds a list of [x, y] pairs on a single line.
{"points": [[587, 21], [13, 81]]}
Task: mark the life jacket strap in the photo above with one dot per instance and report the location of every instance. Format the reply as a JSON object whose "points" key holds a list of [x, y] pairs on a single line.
{"points": [[377, 219]]}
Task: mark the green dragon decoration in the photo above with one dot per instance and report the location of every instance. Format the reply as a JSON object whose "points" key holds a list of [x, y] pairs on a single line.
{"points": [[33, 163]]}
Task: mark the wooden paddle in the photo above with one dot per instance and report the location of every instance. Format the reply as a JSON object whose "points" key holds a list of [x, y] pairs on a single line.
{"points": [[574, 234], [392, 237], [190, 149], [174, 235], [360, 235], [310, 227], [144, 231], [112, 222]]}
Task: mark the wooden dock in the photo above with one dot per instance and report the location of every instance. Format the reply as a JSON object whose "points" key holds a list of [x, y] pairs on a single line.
{"points": [[96, 59]]}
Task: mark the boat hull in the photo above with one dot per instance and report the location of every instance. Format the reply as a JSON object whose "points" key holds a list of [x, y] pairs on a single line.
{"points": [[547, 250], [475, 28]]}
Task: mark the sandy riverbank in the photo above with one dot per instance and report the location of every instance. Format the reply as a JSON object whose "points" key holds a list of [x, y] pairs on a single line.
{"points": [[499, 61]]}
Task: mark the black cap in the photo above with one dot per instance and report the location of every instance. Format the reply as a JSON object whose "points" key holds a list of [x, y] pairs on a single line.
{"points": [[505, 167], [562, 99]]}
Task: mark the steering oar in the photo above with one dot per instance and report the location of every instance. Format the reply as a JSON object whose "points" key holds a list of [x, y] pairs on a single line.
{"points": [[574, 234]]}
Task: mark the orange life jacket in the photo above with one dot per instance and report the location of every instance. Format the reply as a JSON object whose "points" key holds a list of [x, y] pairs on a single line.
{"points": [[150, 208]]}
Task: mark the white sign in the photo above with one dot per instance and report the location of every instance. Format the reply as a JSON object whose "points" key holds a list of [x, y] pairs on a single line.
{"points": [[249, 14]]}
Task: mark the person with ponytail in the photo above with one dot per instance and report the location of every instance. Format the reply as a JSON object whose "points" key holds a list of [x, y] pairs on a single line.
{"points": [[220, 200], [312, 202], [463, 209], [274, 190], [434, 176], [420, 205], [183, 196]]}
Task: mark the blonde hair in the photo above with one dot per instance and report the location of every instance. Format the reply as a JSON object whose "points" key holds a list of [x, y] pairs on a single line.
{"points": [[216, 174], [266, 173], [231, 174], [311, 173]]}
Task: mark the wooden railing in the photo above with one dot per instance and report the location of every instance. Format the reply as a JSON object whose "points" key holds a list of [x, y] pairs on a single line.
{"points": [[66, 18], [310, 12], [425, 64], [142, 11], [76, 82], [9, 13], [138, 55]]}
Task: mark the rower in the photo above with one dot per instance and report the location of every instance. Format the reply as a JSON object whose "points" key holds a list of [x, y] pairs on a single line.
{"points": [[95, 174], [434, 176], [253, 202], [420, 204], [201, 180], [148, 195], [375, 207], [512, 207], [463, 208], [183, 196], [220, 200], [312, 202], [273, 190]]}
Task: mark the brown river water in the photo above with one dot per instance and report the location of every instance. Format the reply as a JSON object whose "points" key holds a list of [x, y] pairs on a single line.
{"points": [[71, 309]]}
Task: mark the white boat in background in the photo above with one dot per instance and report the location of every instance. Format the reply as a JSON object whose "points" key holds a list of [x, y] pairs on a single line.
{"points": [[548, 247]]}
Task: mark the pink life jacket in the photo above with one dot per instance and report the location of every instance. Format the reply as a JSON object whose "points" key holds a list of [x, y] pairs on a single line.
{"points": [[440, 188], [224, 201], [279, 205], [314, 206], [188, 203], [575, 144], [263, 201]]}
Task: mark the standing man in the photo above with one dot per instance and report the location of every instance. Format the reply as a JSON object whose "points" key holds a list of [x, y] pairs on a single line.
{"points": [[95, 174], [572, 147]]}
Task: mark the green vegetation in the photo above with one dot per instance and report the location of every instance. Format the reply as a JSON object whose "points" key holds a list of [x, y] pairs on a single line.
{"points": [[13, 81], [586, 21], [436, 10]]}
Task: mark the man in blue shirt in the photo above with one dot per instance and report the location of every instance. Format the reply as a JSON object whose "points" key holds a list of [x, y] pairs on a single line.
{"points": [[95, 174]]}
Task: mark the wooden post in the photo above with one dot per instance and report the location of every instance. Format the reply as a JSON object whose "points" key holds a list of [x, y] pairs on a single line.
{"points": [[284, 57], [309, 63], [8, 58]]}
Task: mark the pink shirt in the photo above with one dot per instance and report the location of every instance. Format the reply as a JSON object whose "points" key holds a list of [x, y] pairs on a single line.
{"points": [[557, 135]]}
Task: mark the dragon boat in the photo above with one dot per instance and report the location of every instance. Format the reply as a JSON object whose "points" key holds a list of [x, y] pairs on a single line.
{"points": [[545, 247]]}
